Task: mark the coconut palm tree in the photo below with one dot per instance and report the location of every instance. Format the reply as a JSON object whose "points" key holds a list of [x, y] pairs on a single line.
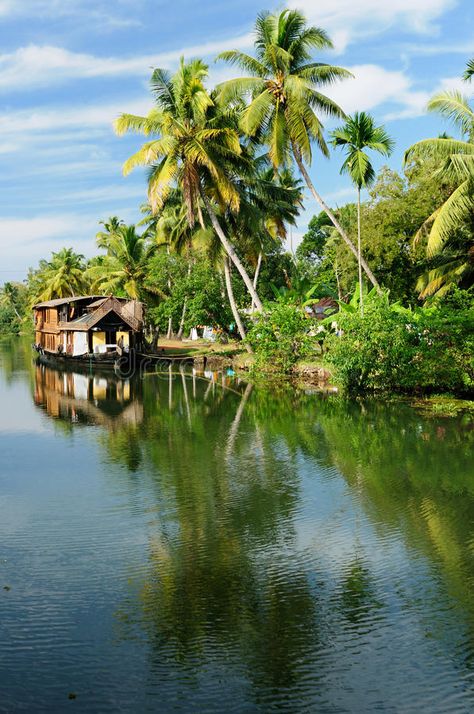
{"points": [[285, 96], [111, 225], [451, 222], [122, 269], [197, 149], [11, 295], [358, 135], [62, 276]]}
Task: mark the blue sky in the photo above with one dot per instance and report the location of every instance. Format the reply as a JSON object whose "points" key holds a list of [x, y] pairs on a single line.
{"points": [[69, 67]]}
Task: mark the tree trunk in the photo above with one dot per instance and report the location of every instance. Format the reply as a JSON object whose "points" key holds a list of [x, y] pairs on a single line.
{"points": [[229, 248], [169, 333], [255, 277], [359, 255], [233, 306], [179, 336], [333, 219], [338, 282], [183, 313], [154, 341]]}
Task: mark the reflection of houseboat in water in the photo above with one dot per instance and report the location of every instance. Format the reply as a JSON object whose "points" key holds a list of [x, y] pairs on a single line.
{"points": [[89, 329], [86, 398]]}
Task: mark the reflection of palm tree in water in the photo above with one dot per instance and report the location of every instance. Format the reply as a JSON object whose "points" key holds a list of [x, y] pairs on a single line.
{"points": [[211, 566]]}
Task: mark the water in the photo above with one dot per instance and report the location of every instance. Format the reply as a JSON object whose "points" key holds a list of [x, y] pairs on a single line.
{"points": [[173, 544]]}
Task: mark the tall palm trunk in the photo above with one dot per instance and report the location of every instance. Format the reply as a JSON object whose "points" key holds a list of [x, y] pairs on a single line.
{"points": [[255, 277], [169, 333], [233, 305], [185, 305], [229, 248], [333, 219], [359, 255]]}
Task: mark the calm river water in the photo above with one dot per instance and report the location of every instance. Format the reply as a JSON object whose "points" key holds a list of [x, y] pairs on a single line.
{"points": [[178, 544]]}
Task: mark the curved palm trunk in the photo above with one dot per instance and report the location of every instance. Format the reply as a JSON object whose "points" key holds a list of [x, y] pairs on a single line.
{"points": [[359, 255], [233, 306], [257, 273], [334, 220], [229, 248]]}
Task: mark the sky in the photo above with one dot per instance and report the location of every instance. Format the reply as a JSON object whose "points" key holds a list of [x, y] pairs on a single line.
{"points": [[69, 67]]}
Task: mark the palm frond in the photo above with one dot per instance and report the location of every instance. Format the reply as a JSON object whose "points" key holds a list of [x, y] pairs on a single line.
{"points": [[469, 71], [245, 62], [233, 89], [148, 154], [440, 147], [319, 73], [257, 113], [457, 209], [455, 107]]}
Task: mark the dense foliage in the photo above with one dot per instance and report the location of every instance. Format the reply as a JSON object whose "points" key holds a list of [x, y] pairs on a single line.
{"points": [[397, 349], [280, 337]]}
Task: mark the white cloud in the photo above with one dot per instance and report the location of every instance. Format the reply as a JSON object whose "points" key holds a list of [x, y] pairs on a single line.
{"points": [[6, 7], [96, 13], [28, 231], [48, 120], [113, 193], [23, 241], [342, 194], [373, 16], [373, 86], [40, 66], [440, 48], [455, 84]]}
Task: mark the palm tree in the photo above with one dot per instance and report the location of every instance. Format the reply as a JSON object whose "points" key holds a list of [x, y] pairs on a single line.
{"points": [[111, 225], [284, 89], [197, 149], [11, 295], [356, 136], [451, 223], [122, 269], [62, 276]]}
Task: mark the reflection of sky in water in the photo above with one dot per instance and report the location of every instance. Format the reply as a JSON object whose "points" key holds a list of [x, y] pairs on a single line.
{"points": [[229, 560], [16, 414]]}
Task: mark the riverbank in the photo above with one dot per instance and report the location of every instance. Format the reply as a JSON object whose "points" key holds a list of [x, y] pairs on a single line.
{"points": [[307, 374]]}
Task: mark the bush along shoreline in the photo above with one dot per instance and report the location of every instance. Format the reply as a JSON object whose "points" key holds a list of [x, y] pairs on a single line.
{"points": [[388, 349]]}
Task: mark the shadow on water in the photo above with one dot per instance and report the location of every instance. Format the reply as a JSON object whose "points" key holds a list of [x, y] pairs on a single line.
{"points": [[303, 552]]}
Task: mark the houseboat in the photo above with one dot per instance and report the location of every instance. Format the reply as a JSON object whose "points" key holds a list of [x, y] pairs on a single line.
{"points": [[88, 329]]}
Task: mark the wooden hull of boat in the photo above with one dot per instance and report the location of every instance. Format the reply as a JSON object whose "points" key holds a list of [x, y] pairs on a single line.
{"points": [[87, 363]]}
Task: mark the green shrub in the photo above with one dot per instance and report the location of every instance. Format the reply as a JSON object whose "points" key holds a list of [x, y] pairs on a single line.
{"points": [[280, 337], [396, 349]]}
